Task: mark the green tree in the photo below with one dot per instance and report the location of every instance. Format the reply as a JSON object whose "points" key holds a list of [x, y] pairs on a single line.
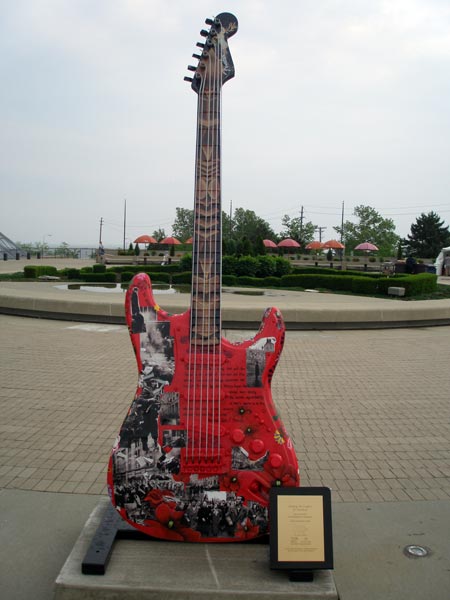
{"points": [[370, 227], [246, 223], [428, 236], [183, 226], [159, 234], [294, 228]]}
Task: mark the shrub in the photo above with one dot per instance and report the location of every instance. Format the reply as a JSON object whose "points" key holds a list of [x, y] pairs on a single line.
{"points": [[364, 285], [73, 273], [160, 277], [272, 281], [283, 266], [247, 266], [98, 277], [267, 266], [32, 272], [86, 270], [229, 265], [98, 268], [185, 277], [250, 281], [126, 276], [229, 280], [185, 263]]}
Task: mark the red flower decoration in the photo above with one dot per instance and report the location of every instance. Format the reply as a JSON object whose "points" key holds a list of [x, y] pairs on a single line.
{"points": [[246, 531], [230, 483], [283, 476], [168, 525], [156, 497]]}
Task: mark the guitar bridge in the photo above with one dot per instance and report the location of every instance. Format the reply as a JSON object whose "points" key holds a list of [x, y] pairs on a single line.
{"points": [[193, 463]]}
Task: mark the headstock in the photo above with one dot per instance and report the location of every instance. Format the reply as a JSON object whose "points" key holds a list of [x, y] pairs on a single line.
{"points": [[215, 65]]}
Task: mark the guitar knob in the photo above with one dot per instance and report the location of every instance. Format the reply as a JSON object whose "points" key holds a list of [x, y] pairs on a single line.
{"points": [[237, 435], [257, 446], [275, 461]]}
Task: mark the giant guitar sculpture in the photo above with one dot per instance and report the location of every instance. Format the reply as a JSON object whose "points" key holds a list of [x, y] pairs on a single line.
{"points": [[202, 443]]}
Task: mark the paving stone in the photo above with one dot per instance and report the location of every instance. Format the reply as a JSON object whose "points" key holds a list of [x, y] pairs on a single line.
{"points": [[370, 418]]}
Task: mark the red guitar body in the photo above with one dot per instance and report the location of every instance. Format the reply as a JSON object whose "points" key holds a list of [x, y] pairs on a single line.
{"points": [[202, 443]]}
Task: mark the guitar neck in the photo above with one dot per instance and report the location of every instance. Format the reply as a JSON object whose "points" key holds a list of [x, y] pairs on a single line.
{"points": [[207, 242]]}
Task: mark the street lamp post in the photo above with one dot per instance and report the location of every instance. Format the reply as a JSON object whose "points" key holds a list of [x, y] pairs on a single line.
{"points": [[43, 242]]}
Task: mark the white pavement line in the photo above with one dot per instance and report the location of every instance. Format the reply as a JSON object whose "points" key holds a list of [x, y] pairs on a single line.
{"points": [[211, 566]]}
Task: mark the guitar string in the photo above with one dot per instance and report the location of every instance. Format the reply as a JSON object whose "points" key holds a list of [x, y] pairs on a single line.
{"points": [[210, 252], [218, 262], [192, 367], [217, 242], [215, 162]]}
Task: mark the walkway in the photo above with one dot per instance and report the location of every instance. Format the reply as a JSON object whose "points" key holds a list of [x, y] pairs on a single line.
{"points": [[367, 410]]}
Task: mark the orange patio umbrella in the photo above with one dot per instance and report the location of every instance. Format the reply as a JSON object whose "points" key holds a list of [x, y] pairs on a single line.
{"points": [[334, 245], [145, 239], [288, 243], [171, 241], [315, 245]]}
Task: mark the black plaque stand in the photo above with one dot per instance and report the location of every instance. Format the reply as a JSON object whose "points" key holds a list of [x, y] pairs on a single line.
{"points": [[301, 575], [112, 527]]}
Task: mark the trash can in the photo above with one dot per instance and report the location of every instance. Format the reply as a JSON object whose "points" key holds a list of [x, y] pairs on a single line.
{"points": [[5, 256], [17, 255]]}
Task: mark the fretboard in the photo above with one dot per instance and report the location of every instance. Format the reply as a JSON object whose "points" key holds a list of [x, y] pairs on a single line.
{"points": [[207, 243]]}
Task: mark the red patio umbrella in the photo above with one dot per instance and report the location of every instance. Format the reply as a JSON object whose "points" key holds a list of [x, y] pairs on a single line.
{"points": [[367, 246], [269, 244], [334, 245], [171, 241], [288, 243], [145, 239], [315, 245], [189, 241]]}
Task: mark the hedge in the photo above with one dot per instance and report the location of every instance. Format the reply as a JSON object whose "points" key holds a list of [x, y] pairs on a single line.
{"points": [[229, 280], [149, 268], [32, 272], [185, 277], [250, 281], [127, 276], [272, 281], [98, 268], [98, 277]]}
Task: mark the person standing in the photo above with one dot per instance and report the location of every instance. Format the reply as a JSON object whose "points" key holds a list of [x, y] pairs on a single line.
{"points": [[447, 265]]}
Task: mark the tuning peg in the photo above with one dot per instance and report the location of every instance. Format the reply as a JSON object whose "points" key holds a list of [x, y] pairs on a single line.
{"points": [[204, 33], [196, 56], [200, 45], [188, 79], [209, 21], [191, 68]]}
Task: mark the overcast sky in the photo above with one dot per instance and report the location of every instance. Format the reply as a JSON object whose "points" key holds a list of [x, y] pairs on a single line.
{"points": [[333, 101]]}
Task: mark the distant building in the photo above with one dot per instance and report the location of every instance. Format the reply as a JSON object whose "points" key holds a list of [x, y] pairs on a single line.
{"points": [[9, 248]]}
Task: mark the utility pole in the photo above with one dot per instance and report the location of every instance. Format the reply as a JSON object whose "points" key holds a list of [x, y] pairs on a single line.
{"points": [[124, 221], [320, 229], [301, 224], [101, 227]]}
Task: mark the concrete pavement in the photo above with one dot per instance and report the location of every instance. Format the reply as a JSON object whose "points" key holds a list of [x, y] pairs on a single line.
{"points": [[368, 412]]}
